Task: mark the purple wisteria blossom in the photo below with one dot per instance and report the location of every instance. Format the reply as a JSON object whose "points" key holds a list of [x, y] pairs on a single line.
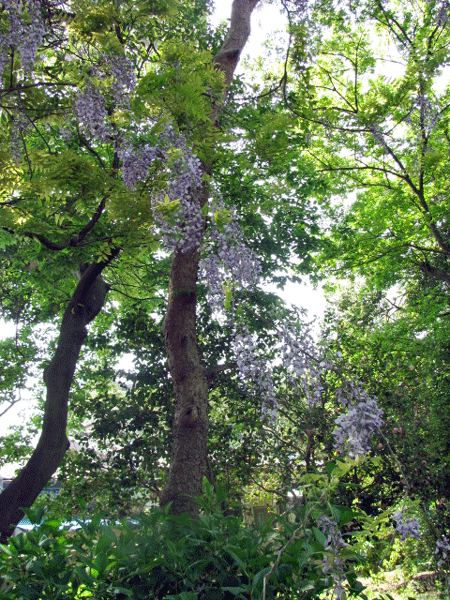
{"points": [[90, 110], [355, 427], [231, 264], [123, 78], [26, 32], [65, 134], [182, 169], [90, 105], [334, 541], [300, 358], [255, 372], [408, 528], [185, 231], [333, 564], [136, 163], [443, 12], [442, 550], [301, 364]]}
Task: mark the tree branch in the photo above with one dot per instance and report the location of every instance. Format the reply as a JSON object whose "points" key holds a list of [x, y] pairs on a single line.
{"points": [[74, 240]]}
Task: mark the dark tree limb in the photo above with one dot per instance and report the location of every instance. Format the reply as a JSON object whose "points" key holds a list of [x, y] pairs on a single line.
{"points": [[87, 301], [74, 240], [214, 371], [434, 272]]}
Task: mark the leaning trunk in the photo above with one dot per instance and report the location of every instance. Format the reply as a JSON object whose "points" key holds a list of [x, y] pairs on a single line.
{"points": [[190, 383], [87, 301]]}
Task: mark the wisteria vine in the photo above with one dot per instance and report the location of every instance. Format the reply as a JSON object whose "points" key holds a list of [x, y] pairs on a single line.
{"points": [[333, 565]]}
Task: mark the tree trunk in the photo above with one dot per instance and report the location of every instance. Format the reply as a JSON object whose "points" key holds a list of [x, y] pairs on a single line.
{"points": [[189, 378], [87, 301]]}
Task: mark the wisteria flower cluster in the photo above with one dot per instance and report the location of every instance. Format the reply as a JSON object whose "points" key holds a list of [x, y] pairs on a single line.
{"points": [[136, 163], [300, 358], [355, 427], [443, 14], [255, 372], [184, 230], [90, 106], [407, 528], [442, 550], [333, 565], [26, 32], [90, 110], [123, 78], [231, 264], [300, 361]]}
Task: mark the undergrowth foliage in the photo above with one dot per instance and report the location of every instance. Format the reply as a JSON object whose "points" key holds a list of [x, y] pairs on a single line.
{"points": [[166, 557], [312, 549]]}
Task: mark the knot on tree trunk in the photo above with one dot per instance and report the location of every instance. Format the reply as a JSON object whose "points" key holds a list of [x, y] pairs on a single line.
{"points": [[190, 416]]}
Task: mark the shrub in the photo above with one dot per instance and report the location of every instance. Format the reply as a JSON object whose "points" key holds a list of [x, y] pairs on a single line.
{"points": [[159, 556]]}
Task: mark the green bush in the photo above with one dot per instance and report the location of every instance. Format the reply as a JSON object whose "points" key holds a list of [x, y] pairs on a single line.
{"points": [[166, 557]]}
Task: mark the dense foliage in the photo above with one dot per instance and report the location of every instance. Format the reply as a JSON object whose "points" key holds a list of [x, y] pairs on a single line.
{"points": [[159, 556]]}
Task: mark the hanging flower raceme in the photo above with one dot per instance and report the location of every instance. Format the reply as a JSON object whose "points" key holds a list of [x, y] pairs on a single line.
{"points": [[90, 110], [407, 528], [355, 427], [442, 550], [333, 565], [123, 78], [184, 231], [231, 265], [302, 362], [26, 32], [255, 372], [136, 163], [183, 228]]}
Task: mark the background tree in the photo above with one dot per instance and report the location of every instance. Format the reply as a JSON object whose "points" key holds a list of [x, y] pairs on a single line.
{"points": [[379, 124], [377, 109]]}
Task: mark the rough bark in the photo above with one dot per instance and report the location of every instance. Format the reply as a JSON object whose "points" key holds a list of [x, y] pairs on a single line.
{"points": [[87, 301], [189, 378]]}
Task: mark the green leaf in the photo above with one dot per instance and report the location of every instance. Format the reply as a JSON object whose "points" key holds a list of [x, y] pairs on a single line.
{"points": [[236, 558]]}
